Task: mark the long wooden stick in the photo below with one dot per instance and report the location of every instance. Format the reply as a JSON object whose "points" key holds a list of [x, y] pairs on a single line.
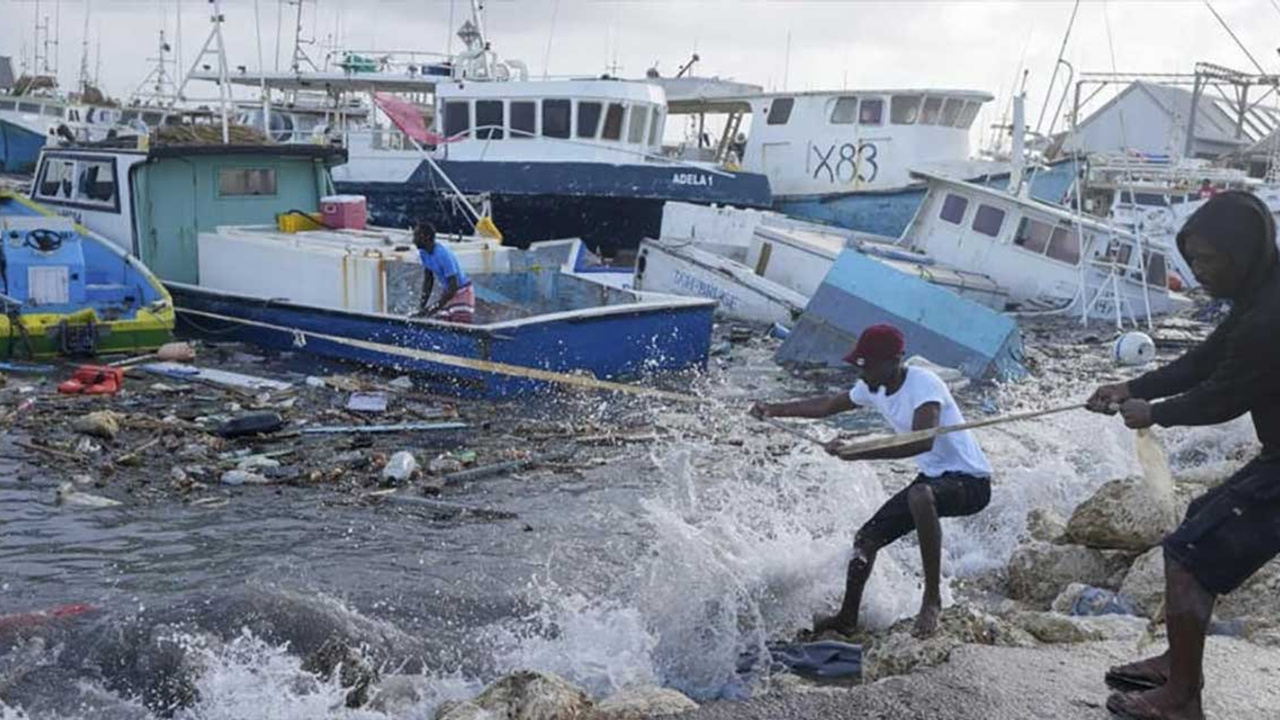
{"points": [[797, 432], [891, 441]]}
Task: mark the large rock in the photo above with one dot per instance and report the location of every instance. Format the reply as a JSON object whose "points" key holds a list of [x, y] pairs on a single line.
{"points": [[355, 672], [464, 711], [1144, 584], [1039, 571], [526, 695], [640, 703], [397, 695], [1055, 628], [1044, 525], [1085, 600], [1123, 515], [1258, 598], [897, 652], [103, 424]]}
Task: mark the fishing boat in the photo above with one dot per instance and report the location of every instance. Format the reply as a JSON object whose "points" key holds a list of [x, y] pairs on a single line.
{"points": [[68, 291], [764, 266], [846, 157], [551, 158], [225, 228]]}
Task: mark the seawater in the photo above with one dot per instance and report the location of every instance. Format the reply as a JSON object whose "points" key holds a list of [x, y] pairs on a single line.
{"points": [[667, 568]]}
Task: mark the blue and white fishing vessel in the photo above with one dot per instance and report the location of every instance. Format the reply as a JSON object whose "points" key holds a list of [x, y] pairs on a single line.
{"points": [[848, 157], [224, 227], [551, 158]]}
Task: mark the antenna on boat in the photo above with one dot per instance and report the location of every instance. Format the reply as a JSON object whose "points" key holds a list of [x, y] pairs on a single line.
{"points": [[163, 90], [1017, 153], [84, 80], [215, 47]]}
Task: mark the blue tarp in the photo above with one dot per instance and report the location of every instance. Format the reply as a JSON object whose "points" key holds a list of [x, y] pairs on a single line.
{"points": [[949, 330]]}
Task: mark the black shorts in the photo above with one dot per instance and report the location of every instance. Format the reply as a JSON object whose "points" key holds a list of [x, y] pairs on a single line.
{"points": [[1232, 530], [956, 494]]}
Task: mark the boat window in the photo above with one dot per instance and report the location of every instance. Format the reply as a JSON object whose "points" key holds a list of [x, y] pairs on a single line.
{"points": [[904, 109], [555, 118], [1033, 235], [953, 208], [56, 179], [489, 119], [932, 110], [1065, 245], [524, 119], [639, 118], [969, 114], [1150, 199], [1157, 270], [96, 183], [951, 112], [655, 129], [29, 108], [457, 118], [780, 111], [1126, 196], [987, 220], [151, 119], [250, 181], [7, 105], [1176, 199], [871, 112], [54, 111], [589, 118], [845, 111], [613, 122]]}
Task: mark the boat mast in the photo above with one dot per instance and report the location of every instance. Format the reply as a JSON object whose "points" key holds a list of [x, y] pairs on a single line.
{"points": [[214, 47], [84, 52]]}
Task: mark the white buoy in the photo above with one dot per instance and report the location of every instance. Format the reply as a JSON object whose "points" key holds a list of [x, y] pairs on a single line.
{"points": [[1134, 348]]}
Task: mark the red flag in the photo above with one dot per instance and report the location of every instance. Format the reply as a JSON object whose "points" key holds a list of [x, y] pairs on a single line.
{"points": [[407, 118]]}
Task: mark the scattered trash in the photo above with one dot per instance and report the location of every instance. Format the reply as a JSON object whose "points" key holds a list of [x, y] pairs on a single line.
{"points": [[1096, 601], [404, 382], [220, 378], [103, 424], [315, 382], [401, 427], [826, 660], [779, 331], [19, 368], [368, 402], [67, 494], [400, 468], [444, 465], [93, 380], [510, 466], [87, 447], [446, 509], [255, 423], [82, 480], [243, 477], [739, 334], [1134, 348], [343, 382], [257, 462], [721, 348], [169, 352]]}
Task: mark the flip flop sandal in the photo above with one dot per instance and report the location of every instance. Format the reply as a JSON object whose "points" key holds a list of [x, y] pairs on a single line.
{"points": [[1134, 707], [1126, 682]]}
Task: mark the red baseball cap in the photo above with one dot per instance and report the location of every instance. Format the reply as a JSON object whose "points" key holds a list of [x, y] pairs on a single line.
{"points": [[878, 343]]}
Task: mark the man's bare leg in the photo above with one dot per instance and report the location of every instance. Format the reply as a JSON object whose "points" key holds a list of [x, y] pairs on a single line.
{"points": [[1190, 606], [924, 510], [845, 621]]}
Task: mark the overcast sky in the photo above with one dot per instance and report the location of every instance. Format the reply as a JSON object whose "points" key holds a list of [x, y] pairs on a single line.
{"points": [[833, 43]]}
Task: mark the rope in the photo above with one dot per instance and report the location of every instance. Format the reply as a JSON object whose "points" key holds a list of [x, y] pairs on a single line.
{"points": [[488, 366]]}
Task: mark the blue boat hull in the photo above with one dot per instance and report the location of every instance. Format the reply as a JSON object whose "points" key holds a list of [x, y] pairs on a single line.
{"points": [[889, 213], [19, 149], [944, 327], [611, 207], [618, 345]]}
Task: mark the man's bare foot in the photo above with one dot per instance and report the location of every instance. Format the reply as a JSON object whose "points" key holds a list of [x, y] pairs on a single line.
{"points": [[1145, 674], [1160, 704], [836, 624], [927, 621]]}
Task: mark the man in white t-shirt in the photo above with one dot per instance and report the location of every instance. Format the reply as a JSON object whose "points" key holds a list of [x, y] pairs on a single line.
{"points": [[954, 480]]}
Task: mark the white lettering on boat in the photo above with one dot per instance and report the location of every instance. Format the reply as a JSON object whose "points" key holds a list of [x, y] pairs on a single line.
{"points": [[702, 288], [692, 179]]}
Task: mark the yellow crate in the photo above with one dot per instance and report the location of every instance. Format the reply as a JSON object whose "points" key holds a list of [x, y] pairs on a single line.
{"points": [[293, 222]]}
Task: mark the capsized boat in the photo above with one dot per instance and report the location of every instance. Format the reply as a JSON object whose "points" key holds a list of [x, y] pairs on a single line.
{"points": [[67, 291]]}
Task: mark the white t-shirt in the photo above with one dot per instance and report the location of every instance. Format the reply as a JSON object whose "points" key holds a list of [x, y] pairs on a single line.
{"points": [[952, 452]]}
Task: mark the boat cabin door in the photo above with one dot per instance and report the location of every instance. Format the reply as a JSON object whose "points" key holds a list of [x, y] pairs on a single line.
{"points": [[167, 208]]}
